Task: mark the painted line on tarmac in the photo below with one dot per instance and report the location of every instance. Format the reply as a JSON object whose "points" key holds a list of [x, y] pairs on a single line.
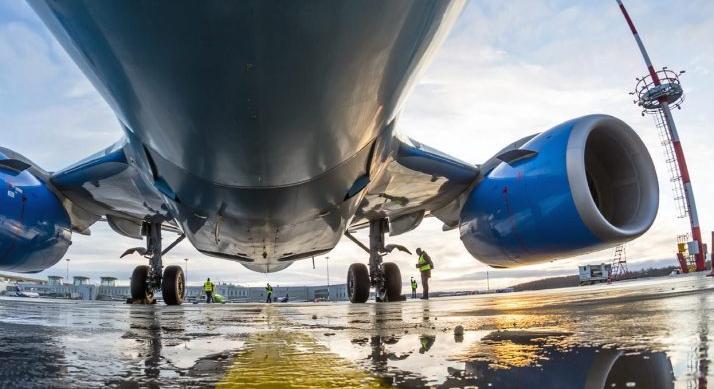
{"points": [[285, 358]]}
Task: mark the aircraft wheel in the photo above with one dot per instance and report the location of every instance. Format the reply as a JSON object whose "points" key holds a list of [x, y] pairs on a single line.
{"points": [[358, 283], [140, 291], [173, 285], [392, 281]]}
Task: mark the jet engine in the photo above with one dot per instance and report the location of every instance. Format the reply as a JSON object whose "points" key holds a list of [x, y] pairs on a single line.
{"points": [[584, 185], [34, 226]]}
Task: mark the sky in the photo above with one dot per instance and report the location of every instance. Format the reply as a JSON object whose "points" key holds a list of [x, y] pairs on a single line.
{"points": [[507, 69]]}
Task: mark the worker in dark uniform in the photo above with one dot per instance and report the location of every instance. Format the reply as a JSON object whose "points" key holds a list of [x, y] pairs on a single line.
{"points": [[424, 264], [414, 287], [208, 290], [269, 292]]}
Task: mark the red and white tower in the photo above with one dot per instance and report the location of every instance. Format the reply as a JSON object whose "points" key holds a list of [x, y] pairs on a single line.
{"points": [[655, 92]]}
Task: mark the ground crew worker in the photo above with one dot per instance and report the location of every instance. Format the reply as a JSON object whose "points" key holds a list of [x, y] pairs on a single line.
{"points": [[426, 341], [424, 265], [414, 287], [208, 289], [269, 291]]}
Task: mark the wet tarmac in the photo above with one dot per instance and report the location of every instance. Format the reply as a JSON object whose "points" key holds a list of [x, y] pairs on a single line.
{"points": [[642, 334]]}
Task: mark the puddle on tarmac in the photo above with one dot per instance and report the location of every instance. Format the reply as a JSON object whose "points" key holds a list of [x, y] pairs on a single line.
{"points": [[281, 358], [645, 334]]}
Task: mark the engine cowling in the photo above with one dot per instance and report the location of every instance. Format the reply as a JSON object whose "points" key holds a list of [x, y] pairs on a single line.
{"points": [[589, 184], [34, 226]]}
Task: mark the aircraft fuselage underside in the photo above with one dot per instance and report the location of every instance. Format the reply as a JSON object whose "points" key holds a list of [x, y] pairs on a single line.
{"points": [[262, 124]]}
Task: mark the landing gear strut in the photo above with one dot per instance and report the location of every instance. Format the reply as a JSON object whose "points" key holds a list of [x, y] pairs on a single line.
{"points": [[145, 280], [385, 277]]}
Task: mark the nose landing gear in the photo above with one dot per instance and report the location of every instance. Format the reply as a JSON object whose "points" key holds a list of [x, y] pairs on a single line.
{"points": [[385, 277], [145, 280]]}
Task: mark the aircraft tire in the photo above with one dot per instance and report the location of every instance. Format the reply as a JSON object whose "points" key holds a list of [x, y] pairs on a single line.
{"points": [[140, 292], [392, 281], [173, 285], [358, 283]]}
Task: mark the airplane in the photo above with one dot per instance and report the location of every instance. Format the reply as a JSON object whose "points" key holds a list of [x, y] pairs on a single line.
{"points": [[19, 292], [265, 131]]}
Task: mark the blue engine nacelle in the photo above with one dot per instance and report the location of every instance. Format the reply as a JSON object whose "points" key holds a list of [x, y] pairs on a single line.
{"points": [[584, 185], [34, 226]]}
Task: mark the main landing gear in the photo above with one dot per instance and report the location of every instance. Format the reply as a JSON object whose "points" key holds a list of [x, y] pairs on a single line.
{"points": [[145, 280], [385, 277]]}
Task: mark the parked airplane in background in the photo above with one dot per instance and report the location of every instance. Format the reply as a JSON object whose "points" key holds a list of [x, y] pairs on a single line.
{"points": [[19, 292], [264, 131]]}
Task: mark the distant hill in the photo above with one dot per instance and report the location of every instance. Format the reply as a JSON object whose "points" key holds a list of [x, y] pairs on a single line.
{"points": [[574, 280], [548, 283]]}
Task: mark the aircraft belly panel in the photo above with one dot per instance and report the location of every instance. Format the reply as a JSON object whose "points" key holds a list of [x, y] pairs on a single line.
{"points": [[251, 93], [267, 224]]}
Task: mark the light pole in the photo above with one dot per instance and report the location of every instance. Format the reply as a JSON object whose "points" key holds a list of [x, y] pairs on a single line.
{"points": [[186, 271], [327, 262], [66, 278]]}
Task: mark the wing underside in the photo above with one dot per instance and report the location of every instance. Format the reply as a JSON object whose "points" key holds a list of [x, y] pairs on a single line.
{"points": [[109, 185], [419, 181]]}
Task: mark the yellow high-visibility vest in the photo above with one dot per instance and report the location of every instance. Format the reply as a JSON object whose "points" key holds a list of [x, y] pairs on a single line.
{"points": [[681, 247], [414, 284], [269, 289], [208, 286], [423, 264]]}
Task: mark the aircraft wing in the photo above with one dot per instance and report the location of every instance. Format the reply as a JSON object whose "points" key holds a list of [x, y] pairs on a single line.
{"points": [[420, 181], [108, 185]]}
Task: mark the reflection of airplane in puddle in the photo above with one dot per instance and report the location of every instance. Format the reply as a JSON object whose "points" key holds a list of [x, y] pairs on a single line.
{"points": [[531, 360], [545, 365]]}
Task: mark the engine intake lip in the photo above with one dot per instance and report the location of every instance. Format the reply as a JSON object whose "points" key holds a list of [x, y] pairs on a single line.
{"points": [[612, 178]]}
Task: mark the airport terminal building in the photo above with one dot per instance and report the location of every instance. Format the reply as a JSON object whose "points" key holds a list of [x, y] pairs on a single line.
{"points": [[82, 289]]}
